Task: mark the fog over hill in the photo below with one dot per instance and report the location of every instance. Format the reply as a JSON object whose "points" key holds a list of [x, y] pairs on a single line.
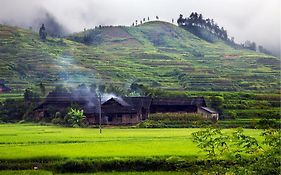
{"points": [[255, 20]]}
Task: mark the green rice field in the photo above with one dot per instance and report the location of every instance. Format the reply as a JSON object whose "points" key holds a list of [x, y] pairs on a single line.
{"points": [[29, 141]]}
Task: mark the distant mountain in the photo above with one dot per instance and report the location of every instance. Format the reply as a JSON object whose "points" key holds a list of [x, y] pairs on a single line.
{"points": [[158, 54]]}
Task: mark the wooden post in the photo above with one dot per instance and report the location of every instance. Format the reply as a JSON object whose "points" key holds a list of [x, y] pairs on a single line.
{"points": [[100, 113]]}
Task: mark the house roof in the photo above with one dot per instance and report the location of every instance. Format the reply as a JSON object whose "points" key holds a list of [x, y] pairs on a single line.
{"points": [[208, 110], [198, 101], [118, 100], [126, 105], [139, 102]]}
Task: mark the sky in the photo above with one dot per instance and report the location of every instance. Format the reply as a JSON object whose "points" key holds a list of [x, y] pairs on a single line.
{"points": [[255, 20]]}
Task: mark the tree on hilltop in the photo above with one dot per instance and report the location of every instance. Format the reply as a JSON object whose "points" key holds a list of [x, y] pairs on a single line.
{"points": [[43, 33]]}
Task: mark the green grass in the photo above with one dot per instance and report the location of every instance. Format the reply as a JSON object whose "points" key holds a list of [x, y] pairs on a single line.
{"points": [[136, 173], [31, 172], [24, 141], [3, 97], [25, 172]]}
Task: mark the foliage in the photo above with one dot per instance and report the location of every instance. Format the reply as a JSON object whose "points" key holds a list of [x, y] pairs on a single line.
{"points": [[269, 161], [16, 109], [25, 172], [196, 21], [42, 89], [75, 117], [268, 123], [212, 141], [216, 143], [217, 103], [243, 143], [128, 54], [240, 146], [30, 96], [272, 113], [28, 172], [272, 138], [180, 117], [12, 110], [174, 120], [116, 149]]}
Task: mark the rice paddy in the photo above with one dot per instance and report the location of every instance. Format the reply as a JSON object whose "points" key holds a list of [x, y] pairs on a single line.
{"points": [[29, 141]]}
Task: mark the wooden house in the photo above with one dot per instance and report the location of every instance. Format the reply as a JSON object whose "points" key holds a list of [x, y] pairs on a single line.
{"points": [[122, 110], [208, 113]]}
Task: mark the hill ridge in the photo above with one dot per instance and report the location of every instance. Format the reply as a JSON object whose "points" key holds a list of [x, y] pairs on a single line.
{"points": [[158, 54]]}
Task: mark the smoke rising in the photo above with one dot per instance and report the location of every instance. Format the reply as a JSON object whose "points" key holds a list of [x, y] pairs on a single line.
{"points": [[255, 20]]}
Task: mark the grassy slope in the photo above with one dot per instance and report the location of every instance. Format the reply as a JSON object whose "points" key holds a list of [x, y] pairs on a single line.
{"points": [[50, 142], [149, 54]]}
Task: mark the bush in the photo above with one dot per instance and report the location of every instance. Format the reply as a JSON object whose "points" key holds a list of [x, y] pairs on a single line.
{"points": [[75, 118], [174, 120], [266, 124], [176, 117], [13, 110], [268, 114], [58, 121]]}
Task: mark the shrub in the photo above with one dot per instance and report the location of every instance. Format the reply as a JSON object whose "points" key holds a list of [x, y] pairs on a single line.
{"points": [[211, 141], [12, 110], [75, 117], [266, 124], [58, 121], [215, 143], [269, 114], [176, 117]]}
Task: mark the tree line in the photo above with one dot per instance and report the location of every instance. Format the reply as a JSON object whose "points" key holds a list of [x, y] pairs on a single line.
{"points": [[196, 21], [197, 25]]}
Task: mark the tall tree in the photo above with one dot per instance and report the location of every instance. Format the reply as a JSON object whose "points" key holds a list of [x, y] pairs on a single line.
{"points": [[180, 21], [43, 33]]}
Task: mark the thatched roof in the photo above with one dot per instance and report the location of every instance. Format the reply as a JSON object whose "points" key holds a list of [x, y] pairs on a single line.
{"points": [[208, 110], [197, 101], [124, 105], [120, 101]]}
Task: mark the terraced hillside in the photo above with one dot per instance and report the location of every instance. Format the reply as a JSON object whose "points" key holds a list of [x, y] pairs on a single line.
{"points": [[158, 54]]}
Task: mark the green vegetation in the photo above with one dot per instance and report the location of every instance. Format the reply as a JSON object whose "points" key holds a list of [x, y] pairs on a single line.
{"points": [[113, 173], [240, 147], [32, 141], [75, 118], [79, 150], [25, 172], [167, 60], [175, 120], [24, 141], [156, 53], [159, 59]]}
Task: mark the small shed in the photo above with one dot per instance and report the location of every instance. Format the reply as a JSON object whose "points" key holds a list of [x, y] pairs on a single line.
{"points": [[208, 113]]}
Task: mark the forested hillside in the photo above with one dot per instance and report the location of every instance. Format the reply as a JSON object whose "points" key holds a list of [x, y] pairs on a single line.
{"points": [[158, 54]]}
